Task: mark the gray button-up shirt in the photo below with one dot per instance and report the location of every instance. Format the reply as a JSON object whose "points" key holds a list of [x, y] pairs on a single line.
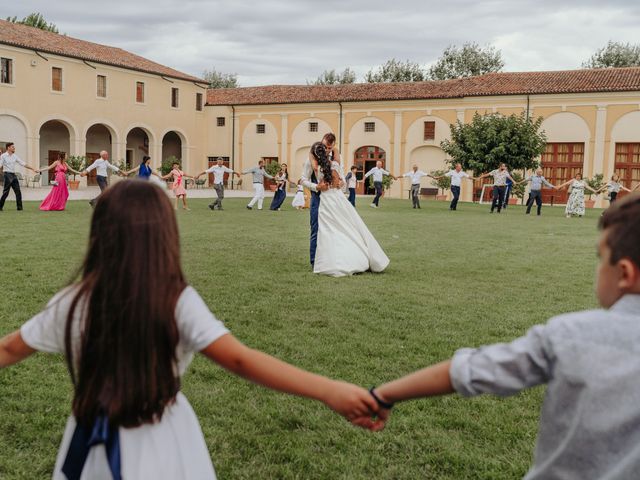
{"points": [[537, 181], [590, 420], [258, 174], [8, 162]]}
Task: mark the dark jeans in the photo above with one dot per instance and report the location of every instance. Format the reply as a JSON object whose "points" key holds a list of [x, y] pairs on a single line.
{"points": [[455, 191], [278, 199], [612, 197], [498, 197], [352, 196], [219, 188], [415, 195], [11, 181], [537, 196], [102, 183], [378, 187], [313, 217]]}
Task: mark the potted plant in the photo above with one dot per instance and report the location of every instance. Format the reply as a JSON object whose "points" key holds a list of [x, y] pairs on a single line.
{"points": [[517, 189], [272, 168], [78, 163], [596, 183], [443, 183]]}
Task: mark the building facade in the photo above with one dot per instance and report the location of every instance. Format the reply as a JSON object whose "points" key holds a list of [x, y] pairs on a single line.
{"points": [[63, 94]]}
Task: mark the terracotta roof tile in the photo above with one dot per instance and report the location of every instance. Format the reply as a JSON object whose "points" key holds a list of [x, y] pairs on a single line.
{"points": [[48, 42], [509, 83]]}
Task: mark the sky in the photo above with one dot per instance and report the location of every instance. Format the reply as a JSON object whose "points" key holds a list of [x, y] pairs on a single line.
{"points": [[291, 42]]}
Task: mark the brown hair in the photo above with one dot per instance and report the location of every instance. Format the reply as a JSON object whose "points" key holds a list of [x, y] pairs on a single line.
{"points": [[131, 279], [330, 138], [621, 221]]}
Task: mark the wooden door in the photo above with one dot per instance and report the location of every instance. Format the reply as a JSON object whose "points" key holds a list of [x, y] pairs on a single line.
{"points": [[91, 176], [561, 162], [365, 159], [627, 165], [52, 157]]}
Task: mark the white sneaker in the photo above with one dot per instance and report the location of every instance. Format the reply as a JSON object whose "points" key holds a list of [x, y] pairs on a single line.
{"points": [[373, 205]]}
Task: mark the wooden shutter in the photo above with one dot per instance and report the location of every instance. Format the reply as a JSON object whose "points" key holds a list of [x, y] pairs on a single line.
{"points": [[56, 79], [140, 92], [429, 130]]}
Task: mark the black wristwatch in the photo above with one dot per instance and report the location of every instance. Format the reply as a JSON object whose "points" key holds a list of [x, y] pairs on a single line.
{"points": [[380, 402]]}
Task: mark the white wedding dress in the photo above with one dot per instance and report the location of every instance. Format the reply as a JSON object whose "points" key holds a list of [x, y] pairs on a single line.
{"points": [[345, 244]]}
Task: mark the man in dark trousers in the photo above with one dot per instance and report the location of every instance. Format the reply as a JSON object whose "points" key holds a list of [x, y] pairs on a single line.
{"points": [[8, 162]]}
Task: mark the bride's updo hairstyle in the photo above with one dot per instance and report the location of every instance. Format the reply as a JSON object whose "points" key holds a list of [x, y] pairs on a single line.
{"points": [[324, 163]]}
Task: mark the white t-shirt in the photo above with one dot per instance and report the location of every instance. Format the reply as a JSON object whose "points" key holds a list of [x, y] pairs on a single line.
{"points": [[197, 326], [218, 173], [456, 177]]}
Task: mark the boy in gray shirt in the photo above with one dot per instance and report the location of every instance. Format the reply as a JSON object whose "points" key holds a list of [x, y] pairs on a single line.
{"points": [[590, 361]]}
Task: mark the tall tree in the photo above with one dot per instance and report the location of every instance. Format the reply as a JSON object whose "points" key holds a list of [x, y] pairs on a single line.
{"points": [[615, 54], [396, 71], [466, 61], [492, 139], [36, 20], [220, 80], [331, 77]]}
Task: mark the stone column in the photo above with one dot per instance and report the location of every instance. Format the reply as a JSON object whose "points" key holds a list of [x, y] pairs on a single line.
{"points": [[599, 146], [394, 168]]}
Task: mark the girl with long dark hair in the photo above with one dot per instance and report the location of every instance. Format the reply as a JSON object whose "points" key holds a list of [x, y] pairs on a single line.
{"points": [[129, 327], [282, 179]]}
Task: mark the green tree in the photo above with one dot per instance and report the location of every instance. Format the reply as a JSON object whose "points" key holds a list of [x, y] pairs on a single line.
{"points": [[220, 80], [331, 77], [443, 183], [466, 61], [396, 71], [492, 139], [615, 54], [597, 182], [36, 20]]}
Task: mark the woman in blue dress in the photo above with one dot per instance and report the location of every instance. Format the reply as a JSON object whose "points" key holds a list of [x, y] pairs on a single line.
{"points": [[281, 193], [144, 169]]}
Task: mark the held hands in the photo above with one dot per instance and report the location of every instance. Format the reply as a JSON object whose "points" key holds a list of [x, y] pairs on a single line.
{"points": [[355, 404]]}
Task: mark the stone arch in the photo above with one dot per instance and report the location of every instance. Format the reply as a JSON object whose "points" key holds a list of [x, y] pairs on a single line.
{"points": [[414, 140], [139, 140], [174, 143], [15, 129], [626, 130], [428, 158], [256, 146], [301, 141], [359, 138]]}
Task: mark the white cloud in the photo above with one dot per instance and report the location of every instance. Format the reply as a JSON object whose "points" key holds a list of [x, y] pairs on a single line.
{"points": [[278, 41]]}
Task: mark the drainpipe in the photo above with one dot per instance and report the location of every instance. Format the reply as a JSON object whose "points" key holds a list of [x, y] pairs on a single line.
{"points": [[233, 141], [340, 130], [527, 107]]}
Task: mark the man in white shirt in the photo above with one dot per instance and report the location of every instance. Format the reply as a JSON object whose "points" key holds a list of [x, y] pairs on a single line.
{"points": [[218, 171], [8, 162], [352, 183], [101, 166], [378, 173], [456, 176], [415, 175]]}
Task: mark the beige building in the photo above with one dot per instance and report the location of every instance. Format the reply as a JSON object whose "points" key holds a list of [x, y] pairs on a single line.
{"points": [[59, 93]]}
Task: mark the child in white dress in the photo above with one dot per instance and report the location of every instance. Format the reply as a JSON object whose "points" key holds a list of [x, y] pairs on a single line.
{"points": [[298, 200], [129, 334]]}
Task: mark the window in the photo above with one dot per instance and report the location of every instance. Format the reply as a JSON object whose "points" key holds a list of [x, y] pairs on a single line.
{"points": [[56, 79], [140, 92], [627, 163], [199, 102], [369, 127], [101, 86], [429, 130], [174, 97], [220, 121], [6, 71], [313, 126], [260, 128]]}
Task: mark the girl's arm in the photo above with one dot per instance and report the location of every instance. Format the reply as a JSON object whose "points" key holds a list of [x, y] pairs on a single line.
{"points": [[564, 184], [165, 177], [13, 349], [354, 403], [589, 188], [627, 189], [129, 172]]}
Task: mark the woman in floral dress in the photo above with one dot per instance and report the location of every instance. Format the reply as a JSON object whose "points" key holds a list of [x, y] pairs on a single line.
{"points": [[575, 204]]}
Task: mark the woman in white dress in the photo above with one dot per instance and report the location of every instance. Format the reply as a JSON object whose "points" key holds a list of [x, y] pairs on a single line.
{"points": [[128, 329], [345, 244], [575, 203]]}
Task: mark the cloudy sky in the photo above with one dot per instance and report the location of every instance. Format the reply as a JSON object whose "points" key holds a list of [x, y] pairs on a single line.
{"points": [[278, 41]]}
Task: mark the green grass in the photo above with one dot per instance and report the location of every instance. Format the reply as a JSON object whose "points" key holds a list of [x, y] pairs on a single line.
{"points": [[456, 279]]}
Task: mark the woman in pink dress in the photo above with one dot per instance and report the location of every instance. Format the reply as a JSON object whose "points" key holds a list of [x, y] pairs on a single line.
{"points": [[57, 198], [178, 185]]}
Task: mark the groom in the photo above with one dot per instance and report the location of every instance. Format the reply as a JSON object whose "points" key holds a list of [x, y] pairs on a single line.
{"points": [[312, 179]]}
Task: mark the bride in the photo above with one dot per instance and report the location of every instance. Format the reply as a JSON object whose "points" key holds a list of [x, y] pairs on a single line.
{"points": [[345, 244]]}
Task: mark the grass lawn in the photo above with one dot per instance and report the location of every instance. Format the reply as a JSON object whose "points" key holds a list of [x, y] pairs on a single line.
{"points": [[456, 279]]}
